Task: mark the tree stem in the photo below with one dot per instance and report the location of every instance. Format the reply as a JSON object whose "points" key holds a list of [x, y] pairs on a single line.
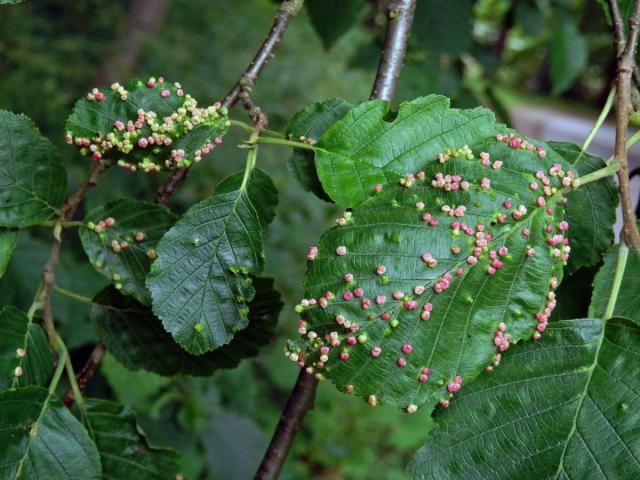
{"points": [[400, 15], [626, 62], [302, 396], [287, 10]]}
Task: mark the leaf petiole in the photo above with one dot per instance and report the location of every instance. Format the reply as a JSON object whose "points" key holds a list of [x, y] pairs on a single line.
{"points": [[72, 295], [248, 128], [286, 143], [623, 253]]}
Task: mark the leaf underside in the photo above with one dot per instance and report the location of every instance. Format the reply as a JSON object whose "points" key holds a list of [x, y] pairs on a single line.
{"points": [[127, 266], [459, 338], [199, 283], [136, 338], [563, 408], [33, 180]]}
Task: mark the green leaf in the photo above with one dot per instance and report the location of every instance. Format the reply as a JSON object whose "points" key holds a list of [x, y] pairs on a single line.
{"points": [[565, 407], [569, 55], [333, 18], [200, 282], [175, 118], [25, 358], [33, 180], [311, 122], [39, 438], [140, 225], [8, 241], [590, 210], [367, 147], [627, 303], [136, 337], [389, 230], [123, 447], [444, 27]]}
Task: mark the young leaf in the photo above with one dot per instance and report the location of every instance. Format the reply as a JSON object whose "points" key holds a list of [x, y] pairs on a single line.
{"points": [[627, 304], [333, 18], [200, 282], [8, 241], [122, 445], [444, 27], [121, 240], [33, 180], [590, 211], [569, 55], [311, 122], [25, 358], [147, 126], [366, 147], [562, 408], [436, 274], [39, 438], [136, 338]]}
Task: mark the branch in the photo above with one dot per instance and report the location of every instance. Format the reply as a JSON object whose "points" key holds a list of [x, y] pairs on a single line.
{"points": [[68, 211], [287, 10], [87, 372], [400, 13], [301, 399], [626, 61]]}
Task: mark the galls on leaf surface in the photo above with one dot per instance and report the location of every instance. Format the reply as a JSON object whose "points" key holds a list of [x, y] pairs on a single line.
{"points": [[443, 254], [174, 134]]}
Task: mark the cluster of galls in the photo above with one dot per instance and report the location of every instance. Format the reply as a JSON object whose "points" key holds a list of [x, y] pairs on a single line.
{"points": [[118, 244], [481, 253], [19, 370], [146, 142]]}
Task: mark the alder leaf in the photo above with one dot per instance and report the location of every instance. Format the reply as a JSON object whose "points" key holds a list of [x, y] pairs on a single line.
{"points": [[25, 358], [148, 126], [406, 253], [367, 147], [200, 283], [565, 407], [123, 252], [123, 447], [33, 180], [8, 242], [333, 18], [39, 438], [311, 122], [136, 338], [590, 211], [627, 302]]}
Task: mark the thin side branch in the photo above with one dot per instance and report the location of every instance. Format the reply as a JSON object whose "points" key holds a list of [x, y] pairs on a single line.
{"points": [[68, 211], [83, 377], [303, 393], [287, 10], [626, 62], [400, 14]]}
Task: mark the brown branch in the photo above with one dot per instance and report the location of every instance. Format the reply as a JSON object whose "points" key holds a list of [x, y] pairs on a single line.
{"points": [[303, 393], [87, 372], [287, 10], [68, 211], [626, 61], [400, 14]]}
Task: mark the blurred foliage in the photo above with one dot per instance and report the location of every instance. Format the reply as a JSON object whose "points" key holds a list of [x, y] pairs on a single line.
{"points": [[472, 51]]}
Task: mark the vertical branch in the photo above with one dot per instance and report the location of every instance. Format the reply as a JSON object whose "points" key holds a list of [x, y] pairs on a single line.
{"points": [[302, 396], [626, 51], [400, 13], [287, 10]]}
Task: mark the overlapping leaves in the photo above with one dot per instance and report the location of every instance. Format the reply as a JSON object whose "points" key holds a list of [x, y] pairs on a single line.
{"points": [[562, 408], [200, 283], [136, 337]]}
